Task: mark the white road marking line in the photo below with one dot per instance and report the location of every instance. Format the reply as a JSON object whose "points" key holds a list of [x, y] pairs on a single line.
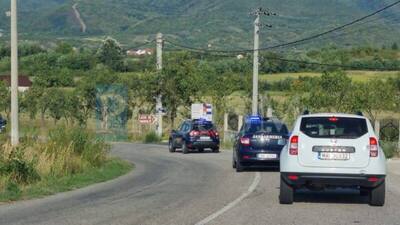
{"points": [[252, 187]]}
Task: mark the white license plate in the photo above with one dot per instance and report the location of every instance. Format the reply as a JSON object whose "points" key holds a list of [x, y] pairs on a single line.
{"points": [[205, 138], [333, 156], [267, 156]]}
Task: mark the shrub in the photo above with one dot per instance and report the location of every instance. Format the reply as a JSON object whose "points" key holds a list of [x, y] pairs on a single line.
{"points": [[390, 149], [14, 166], [67, 151], [12, 190], [152, 137], [82, 143]]}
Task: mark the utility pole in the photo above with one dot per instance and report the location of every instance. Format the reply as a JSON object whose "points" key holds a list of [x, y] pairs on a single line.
{"points": [[14, 75], [257, 26], [159, 106]]}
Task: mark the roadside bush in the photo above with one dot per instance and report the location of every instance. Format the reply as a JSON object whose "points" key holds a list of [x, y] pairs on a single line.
{"points": [[82, 143], [390, 149], [16, 168], [67, 151], [152, 137]]}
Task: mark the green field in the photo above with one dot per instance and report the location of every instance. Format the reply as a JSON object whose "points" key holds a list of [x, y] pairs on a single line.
{"points": [[358, 76]]}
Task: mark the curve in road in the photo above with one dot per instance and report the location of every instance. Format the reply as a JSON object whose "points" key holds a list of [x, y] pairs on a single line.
{"points": [[178, 189]]}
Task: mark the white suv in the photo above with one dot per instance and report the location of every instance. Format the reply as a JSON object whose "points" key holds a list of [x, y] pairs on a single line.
{"points": [[331, 151]]}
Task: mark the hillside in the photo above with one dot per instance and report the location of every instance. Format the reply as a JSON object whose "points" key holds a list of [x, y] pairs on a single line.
{"points": [[222, 23]]}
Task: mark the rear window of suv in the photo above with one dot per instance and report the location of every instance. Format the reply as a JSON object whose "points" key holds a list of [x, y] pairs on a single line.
{"points": [[334, 127], [266, 127], [203, 126]]}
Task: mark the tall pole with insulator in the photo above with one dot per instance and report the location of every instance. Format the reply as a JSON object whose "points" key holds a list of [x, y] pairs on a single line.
{"points": [[257, 26]]}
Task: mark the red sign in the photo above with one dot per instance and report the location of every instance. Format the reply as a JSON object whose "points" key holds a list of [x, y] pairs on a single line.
{"points": [[147, 119]]}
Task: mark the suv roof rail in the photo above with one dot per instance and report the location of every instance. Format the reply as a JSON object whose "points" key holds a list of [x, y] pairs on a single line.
{"points": [[306, 112], [359, 113]]}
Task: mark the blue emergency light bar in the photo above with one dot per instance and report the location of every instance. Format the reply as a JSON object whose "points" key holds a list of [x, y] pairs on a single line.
{"points": [[254, 119], [202, 121]]}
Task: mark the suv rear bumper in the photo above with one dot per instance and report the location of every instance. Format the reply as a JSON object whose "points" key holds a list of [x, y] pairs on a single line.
{"points": [[203, 144], [334, 180]]}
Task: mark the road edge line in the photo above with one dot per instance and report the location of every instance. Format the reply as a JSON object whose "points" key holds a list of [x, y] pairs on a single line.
{"points": [[250, 190]]}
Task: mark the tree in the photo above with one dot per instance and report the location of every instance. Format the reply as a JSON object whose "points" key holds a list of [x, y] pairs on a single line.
{"points": [[395, 46], [374, 97], [64, 48], [4, 98], [57, 104], [330, 94], [110, 54], [180, 84]]}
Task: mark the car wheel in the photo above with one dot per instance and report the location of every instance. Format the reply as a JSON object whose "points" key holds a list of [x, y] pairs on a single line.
{"points": [[377, 195], [233, 163], [286, 194], [185, 149], [201, 149], [215, 150], [239, 167], [171, 146]]}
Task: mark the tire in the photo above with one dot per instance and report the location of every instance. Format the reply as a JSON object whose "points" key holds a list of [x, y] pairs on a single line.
{"points": [[171, 147], [201, 149], [286, 195], [215, 150], [377, 195], [239, 167], [185, 149]]}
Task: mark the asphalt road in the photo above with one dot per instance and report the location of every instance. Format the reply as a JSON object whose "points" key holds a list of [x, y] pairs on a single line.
{"points": [[198, 189]]}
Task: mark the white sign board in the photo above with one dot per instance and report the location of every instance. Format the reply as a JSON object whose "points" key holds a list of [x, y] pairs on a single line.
{"points": [[202, 111]]}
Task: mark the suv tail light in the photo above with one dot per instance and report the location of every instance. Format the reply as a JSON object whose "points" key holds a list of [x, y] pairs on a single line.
{"points": [[294, 145], [373, 147], [194, 133], [245, 141]]}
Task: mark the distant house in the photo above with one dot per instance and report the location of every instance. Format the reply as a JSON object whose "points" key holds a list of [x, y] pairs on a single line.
{"points": [[140, 52], [24, 83]]}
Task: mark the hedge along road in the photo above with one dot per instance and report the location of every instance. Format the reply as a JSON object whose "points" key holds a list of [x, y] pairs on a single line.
{"points": [[197, 188]]}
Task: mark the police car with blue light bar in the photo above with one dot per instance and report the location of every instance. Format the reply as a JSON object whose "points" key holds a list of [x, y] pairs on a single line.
{"points": [[259, 143]]}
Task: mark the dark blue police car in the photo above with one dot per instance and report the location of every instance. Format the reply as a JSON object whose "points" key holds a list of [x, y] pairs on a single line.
{"points": [[259, 143], [194, 135]]}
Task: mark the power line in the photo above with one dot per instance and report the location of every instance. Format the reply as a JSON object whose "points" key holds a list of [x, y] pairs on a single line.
{"points": [[296, 42], [345, 33]]}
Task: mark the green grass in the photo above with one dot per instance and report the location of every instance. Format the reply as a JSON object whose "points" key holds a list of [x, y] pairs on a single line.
{"points": [[113, 168], [358, 76]]}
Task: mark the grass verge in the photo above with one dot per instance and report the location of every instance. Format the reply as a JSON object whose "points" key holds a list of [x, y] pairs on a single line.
{"points": [[111, 169]]}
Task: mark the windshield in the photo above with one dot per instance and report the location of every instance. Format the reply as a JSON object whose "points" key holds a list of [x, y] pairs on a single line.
{"points": [[266, 127], [334, 127]]}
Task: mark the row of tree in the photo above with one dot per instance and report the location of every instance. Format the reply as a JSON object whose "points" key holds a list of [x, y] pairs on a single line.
{"points": [[36, 60], [336, 92], [66, 80]]}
